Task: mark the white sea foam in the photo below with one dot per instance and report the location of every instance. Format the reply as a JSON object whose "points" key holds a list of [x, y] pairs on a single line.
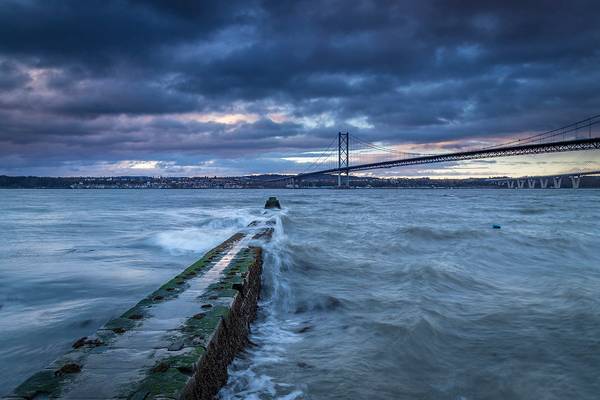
{"points": [[190, 239], [271, 335], [210, 228]]}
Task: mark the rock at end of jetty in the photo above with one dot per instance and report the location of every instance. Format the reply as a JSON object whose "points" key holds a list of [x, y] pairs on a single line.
{"points": [[273, 203]]}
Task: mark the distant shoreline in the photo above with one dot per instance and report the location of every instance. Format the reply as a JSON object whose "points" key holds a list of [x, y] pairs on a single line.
{"points": [[259, 182]]}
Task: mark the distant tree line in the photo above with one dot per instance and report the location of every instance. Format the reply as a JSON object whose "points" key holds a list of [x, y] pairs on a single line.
{"points": [[34, 182]]}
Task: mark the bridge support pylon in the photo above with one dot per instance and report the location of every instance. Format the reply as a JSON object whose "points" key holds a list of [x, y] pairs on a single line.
{"points": [[531, 183], [520, 183], [557, 182], [575, 180], [343, 157], [510, 184], [543, 183]]}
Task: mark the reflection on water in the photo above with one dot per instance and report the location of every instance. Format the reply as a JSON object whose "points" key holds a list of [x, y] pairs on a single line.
{"points": [[382, 294]]}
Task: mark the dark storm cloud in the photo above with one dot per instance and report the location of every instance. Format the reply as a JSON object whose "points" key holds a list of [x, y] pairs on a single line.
{"points": [[10, 76], [133, 79], [102, 33]]}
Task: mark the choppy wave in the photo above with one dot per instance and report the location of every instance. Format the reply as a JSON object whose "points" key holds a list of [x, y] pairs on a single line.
{"points": [[532, 210], [318, 303], [440, 233]]}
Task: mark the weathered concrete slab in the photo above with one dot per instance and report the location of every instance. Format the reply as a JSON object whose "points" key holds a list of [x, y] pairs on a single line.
{"points": [[175, 343]]}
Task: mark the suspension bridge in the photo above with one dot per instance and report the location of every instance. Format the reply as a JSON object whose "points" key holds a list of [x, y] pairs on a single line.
{"points": [[348, 153]]}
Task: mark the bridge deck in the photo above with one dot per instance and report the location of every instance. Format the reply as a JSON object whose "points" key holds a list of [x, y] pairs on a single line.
{"points": [[537, 148]]}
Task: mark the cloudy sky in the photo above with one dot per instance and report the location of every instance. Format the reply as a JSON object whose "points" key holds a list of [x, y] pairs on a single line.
{"points": [[207, 87]]}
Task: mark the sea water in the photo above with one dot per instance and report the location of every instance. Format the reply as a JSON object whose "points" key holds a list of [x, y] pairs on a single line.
{"points": [[367, 294]]}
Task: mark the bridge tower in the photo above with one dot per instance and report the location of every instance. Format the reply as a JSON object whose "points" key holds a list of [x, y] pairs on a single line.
{"points": [[343, 157]]}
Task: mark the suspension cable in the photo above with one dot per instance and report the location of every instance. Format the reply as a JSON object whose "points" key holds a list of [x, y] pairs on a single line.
{"points": [[555, 132], [321, 159], [381, 148]]}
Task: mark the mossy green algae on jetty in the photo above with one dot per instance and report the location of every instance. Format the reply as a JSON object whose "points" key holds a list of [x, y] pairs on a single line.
{"points": [[175, 343]]}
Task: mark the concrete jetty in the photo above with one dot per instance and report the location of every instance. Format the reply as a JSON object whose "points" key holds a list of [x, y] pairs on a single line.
{"points": [[174, 344]]}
